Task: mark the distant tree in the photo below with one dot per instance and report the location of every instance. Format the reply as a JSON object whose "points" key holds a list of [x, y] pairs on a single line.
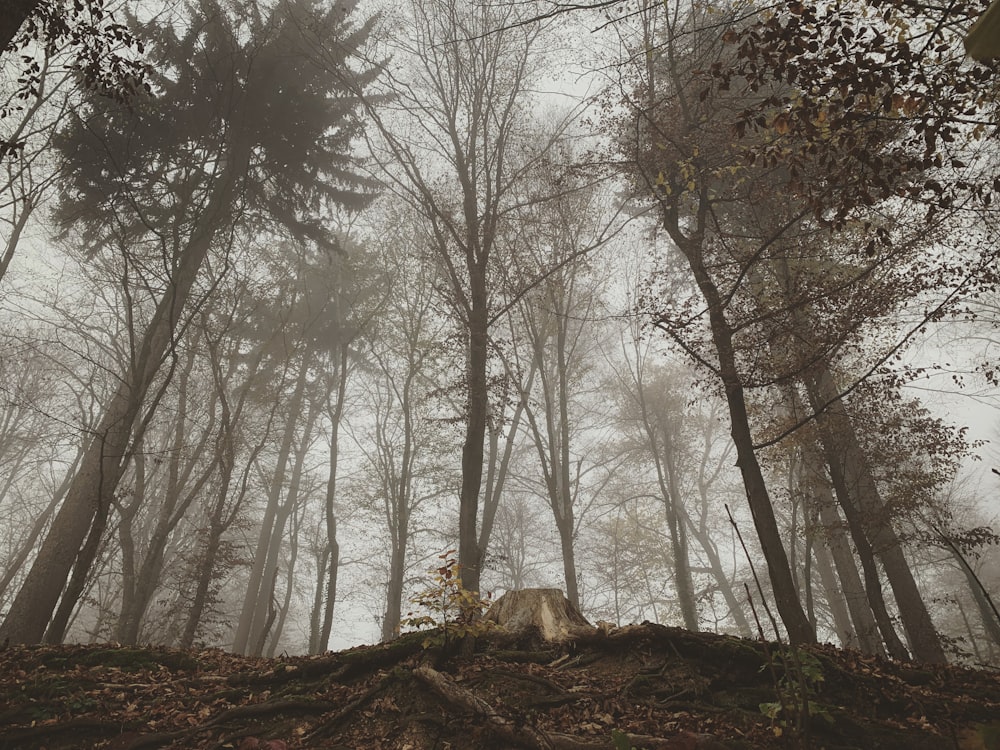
{"points": [[555, 335]]}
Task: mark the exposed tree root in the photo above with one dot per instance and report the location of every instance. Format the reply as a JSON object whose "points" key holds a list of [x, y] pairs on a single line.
{"points": [[331, 723], [466, 700], [522, 735]]}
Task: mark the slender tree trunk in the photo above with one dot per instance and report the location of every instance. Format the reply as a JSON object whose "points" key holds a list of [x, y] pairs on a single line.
{"points": [[15, 233], [142, 584], [394, 592], [253, 599], [785, 595], [835, 599], [984, 603], [205, 574], [219, 522], [862, 495], [104, 459], [498, 464], [676, 523], [56, 630], [15, 563], [126, 532], [723, 583], [398, 489], [865, 629], [322, 639], [293, 556], [873, 583], [331, 589], [266, 618], [704, 538], [316, 612], [273, 544], [477, 405]]}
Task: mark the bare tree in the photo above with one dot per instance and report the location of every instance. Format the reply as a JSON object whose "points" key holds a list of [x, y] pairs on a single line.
{"points": [[460, 91]]}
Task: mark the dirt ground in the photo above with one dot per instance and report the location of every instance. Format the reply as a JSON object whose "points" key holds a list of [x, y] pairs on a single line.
{"points": [[642, 686]]}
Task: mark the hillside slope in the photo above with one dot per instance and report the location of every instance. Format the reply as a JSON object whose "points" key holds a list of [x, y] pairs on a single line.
{"points": [[664, 688]]}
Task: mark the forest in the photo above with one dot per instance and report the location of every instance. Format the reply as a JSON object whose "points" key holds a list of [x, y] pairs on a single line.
{"points": [[667, 304]]}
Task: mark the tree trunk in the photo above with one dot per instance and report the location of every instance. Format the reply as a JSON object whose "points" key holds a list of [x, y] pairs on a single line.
{"points": [[172, 509], [873, 584], [835, 599], [321, 641], [398, 489], [293, 556], [28, 544], [722, 581], [205, 574], [394, 593], [984, 603], [677, 524], [477, 406], [219, 520], [252, 599], [15, 13], [325, 595], [837, 431], [56, 630], [865, 628], [785, 595], [104, 459], [715, 563], [284, 510]]}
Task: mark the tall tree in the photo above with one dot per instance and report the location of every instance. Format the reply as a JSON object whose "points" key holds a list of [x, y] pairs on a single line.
{"points": [[448, 147], [684, 167], [558, 320], [244, 131]]}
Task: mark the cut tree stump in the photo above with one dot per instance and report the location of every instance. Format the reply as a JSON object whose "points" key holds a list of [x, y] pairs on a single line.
{"points": [[545, 610]]}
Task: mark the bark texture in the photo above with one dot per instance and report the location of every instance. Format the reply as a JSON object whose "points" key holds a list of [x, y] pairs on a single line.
{"points": [[546, 610]]}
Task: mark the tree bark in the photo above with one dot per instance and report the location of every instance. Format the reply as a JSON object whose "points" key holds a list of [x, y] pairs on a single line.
{"points": [[15, 13], [865, 629], [863, 498], [477, 405], [785, 594]]}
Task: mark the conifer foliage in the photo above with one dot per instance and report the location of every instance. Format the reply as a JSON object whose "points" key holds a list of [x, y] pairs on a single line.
{"points": [[242, 134]]}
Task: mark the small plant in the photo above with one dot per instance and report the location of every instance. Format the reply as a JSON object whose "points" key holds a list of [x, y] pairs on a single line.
{"points": [[620, 740], [796, 673], [455, 611], [801, 677]]}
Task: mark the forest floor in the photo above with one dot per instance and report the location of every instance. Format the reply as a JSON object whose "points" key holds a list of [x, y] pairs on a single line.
{"points": [[642, 686]]}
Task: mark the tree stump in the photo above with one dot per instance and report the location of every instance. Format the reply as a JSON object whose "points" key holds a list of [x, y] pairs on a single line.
{"points": [[546, 610]]}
